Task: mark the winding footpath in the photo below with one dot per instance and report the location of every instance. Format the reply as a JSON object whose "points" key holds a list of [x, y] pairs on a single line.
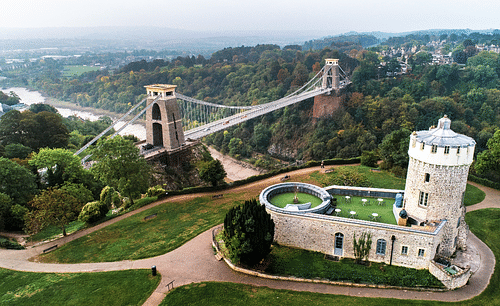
{"points": [[195, 262]]}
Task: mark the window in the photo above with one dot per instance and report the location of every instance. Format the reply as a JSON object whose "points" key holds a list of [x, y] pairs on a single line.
{"points": [[424, 196], [447, 150], [404, 250], [421, 252], [458, 150], [422, 146], [427, 177], [434, 149], [381, 243], [458, 223]]}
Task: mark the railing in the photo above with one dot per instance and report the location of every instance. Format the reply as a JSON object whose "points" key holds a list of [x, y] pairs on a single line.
{"points": [[170, 285]]}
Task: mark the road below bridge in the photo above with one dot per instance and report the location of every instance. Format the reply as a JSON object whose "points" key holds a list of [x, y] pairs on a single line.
{"points": [[235, 169]]}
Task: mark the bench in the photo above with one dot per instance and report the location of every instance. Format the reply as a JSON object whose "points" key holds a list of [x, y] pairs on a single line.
{"points": [[329, 170], [286, 177], [217, 196], [330, 211], [50, 249], [149, 217]]}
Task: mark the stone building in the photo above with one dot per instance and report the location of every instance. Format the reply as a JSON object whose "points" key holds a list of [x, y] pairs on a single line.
{"points": [[432, 204]]}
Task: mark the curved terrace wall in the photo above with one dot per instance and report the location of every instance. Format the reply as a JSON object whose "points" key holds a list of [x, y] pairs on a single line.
{"points": [[267, 194]]}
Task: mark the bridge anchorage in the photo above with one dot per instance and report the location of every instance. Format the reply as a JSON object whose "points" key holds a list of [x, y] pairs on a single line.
{"points": [[175, 122]]}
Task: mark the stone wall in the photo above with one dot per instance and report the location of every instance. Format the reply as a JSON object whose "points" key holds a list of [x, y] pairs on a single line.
{"points": [[445, 188], [450, 281], [317, 233]]}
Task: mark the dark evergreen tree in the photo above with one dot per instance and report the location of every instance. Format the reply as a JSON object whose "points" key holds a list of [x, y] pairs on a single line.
{"points": [[248, 232]]}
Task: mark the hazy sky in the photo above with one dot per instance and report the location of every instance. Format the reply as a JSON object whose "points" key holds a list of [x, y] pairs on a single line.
{"points": [[215, 15]]}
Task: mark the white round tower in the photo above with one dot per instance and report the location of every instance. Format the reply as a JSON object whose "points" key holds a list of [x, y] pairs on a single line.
{"points": [[436, 180]]}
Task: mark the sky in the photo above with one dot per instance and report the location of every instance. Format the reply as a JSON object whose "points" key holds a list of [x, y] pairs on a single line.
{"points": [[325, 16]]}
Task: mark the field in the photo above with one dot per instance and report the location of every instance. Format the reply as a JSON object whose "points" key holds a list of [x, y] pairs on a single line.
{"points": [[129, 287], [74, 70]]}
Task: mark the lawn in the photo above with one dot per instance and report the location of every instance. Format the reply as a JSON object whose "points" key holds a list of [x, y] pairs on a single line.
{"points": [[307, 264], [473, 195], [130, 287], [73, 70], [483, 223], [175, 223], [281, 200], [384, 212]]}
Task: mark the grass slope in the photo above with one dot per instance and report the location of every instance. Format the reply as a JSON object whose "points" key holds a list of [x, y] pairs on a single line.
{"points": [[483, 223], [130, 287]]}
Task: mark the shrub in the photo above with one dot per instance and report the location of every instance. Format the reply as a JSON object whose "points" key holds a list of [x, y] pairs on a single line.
{"points": [[369, 159], [93, 212], [155, 191], [107, 196], [248, 233]]}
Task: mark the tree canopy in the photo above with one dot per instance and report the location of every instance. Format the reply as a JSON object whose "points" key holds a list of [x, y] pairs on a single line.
{"points": [[16, 181], [119, 165], [248, 232], [211, 171]]}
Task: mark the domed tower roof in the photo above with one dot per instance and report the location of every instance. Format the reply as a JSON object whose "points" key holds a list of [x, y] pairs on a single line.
{"points": [[442, 146], [443, 136]]}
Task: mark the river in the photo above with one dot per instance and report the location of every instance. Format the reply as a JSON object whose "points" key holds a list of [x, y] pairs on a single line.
{"points": [[29, 97]]}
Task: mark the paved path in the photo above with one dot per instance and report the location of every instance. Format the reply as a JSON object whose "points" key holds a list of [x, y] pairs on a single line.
{"points": [[195, 262]]}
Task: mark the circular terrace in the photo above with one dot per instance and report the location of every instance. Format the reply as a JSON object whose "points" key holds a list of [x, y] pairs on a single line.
{"points": [[267, 195]]}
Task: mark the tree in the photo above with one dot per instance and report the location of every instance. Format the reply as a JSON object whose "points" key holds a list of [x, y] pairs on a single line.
{"points": [[16, 181], [53, 207], [394, 148], [248, 232], [5, 205], [212, 171], [119, 165], [61, 166], [489, 160], [362, 247], [41, 107], [17, 150]]}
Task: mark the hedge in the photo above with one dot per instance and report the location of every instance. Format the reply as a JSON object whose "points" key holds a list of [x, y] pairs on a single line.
{"points": [[484, 182]]}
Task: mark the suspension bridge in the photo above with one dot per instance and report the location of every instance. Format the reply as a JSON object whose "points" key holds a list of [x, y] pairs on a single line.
{"points": [[174, 120]]}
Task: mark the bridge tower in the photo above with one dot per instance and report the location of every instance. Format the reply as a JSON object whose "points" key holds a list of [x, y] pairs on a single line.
{"points": [[163, 119], [326, 105], [331, 78]]}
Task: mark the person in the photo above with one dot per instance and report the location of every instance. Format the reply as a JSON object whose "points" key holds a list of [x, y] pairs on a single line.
{"points": [[322, 164]]}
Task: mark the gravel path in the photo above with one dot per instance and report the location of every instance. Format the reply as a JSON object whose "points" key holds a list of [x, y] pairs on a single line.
{"points": [[195, 261]]}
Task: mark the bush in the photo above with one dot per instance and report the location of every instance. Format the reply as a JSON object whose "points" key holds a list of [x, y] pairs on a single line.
{"points": [[107, 196], [9, 244], [248, 232], [155, 191], [93, 212], [369, 159]]}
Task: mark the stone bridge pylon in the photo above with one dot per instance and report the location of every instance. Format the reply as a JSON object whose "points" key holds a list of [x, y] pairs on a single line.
{"points": [[163, 119]]}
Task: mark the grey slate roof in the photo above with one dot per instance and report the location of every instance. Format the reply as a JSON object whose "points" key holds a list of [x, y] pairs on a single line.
{"points": [[444, 136]]}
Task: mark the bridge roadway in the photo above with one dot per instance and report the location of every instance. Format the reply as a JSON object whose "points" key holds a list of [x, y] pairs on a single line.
{"points": [[212, 127]]}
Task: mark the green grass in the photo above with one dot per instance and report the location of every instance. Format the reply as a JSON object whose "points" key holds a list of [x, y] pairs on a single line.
{"points": [[51, 232], [483, 223], [134, 238], [73, 70], [130, 287], [281, 200], [307, 264], [378, 179], [473, 195], [364, 212]]}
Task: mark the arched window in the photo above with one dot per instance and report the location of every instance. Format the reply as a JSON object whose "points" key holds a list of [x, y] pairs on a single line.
{"points": [[156, 113], [381, 244], [339, 244]]}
